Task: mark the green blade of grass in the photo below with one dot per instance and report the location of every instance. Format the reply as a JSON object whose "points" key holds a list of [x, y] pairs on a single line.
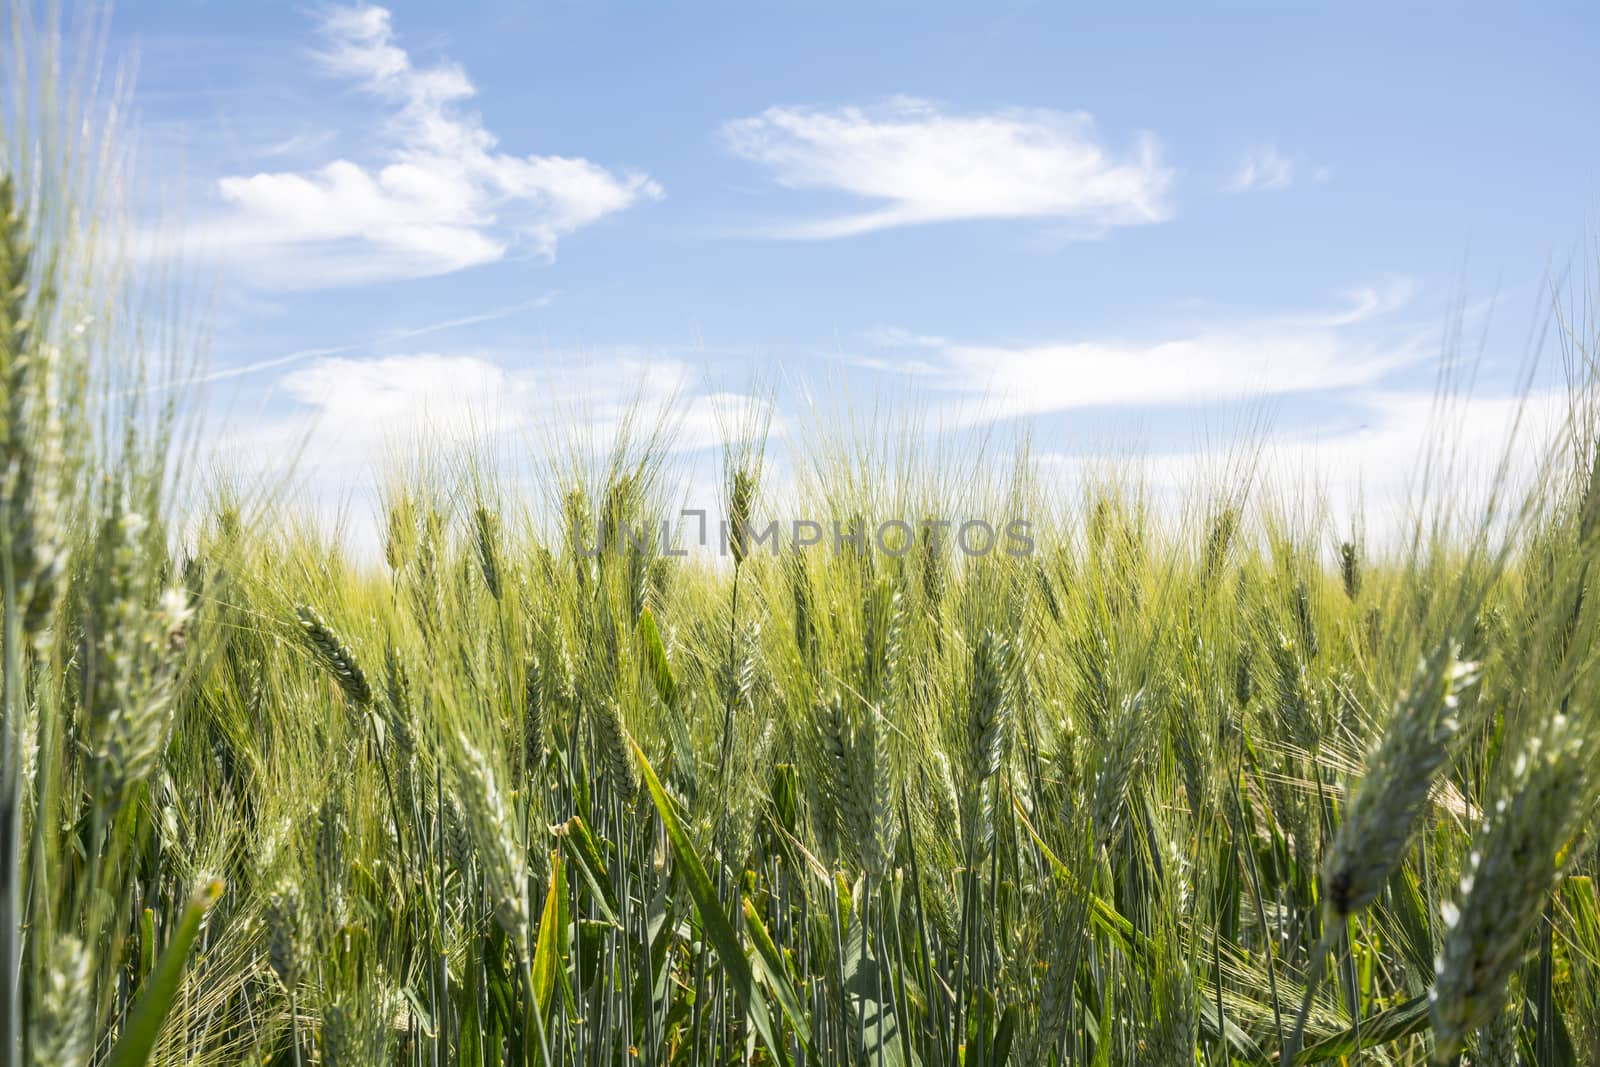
{"points": [[548, 950], [150, 1011], [712, 916], [580, 846], [770, 962], [1398, 1022], [656, 655]]}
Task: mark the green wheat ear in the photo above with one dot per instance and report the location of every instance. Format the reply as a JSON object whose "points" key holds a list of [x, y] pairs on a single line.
{"points": [[62, 1030], [741, 497], [32, 448], [1516, 856], [283, 935], [622, 773], [988, 711], [494, 839], [1389, 799], [486, 539], [335, 655], [1350, 570]]}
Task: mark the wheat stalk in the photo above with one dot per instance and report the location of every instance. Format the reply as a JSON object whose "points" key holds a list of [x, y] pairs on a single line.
{"points": [[1350, 570], [490, 828], [1515, 858], [335, 655], [988, 712], [283, 935], [32, 451], [486, 539], [611, 734], [1385, 805]]}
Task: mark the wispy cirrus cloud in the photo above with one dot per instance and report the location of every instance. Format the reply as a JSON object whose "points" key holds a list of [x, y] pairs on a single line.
{"points": [[390, 337], [441, 197], [896, 337], [1358, 343], [918, 163], [1265, 168]]}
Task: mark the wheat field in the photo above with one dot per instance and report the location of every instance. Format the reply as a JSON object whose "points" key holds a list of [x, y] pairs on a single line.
{"points": [[1215, 783]]}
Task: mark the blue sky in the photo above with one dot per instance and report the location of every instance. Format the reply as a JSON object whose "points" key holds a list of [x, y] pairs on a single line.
{"points": [[1088, 219]]}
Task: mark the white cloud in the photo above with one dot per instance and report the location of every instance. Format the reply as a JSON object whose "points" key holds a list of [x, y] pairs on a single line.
{"points": [[1240, 359], [345, 416], [441, 199], [921, 164], [1264, 167], [337, 419], [1410, 456], [1181, 371], [361, 398], [896, 337]]}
